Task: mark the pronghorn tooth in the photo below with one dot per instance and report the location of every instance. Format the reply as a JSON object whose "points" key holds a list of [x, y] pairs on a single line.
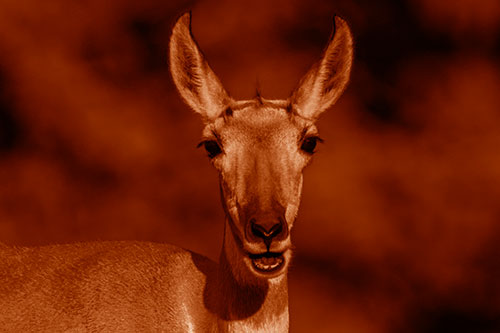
{"points": [[267, 263]]}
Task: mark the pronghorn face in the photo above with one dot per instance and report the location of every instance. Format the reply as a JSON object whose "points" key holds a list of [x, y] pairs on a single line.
{"points": [[260, 147]]}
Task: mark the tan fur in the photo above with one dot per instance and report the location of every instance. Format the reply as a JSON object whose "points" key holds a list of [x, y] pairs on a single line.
{"points": [[147, 287]]}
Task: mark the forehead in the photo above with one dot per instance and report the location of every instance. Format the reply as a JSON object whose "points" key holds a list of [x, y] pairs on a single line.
{"points": [[258, 119]]}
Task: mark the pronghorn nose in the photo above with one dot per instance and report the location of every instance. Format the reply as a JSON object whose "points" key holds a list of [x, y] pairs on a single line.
{"points": [[268, 230]]}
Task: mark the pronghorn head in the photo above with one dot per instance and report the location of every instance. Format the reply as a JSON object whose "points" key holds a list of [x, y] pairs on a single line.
{"points": [[260, 147]]}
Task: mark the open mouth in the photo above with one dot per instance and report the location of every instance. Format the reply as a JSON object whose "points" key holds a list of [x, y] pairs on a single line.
{"points": [[267, 262]]}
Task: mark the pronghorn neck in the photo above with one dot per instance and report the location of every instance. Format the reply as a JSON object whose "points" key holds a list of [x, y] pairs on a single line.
{"points": [[248, 304]]}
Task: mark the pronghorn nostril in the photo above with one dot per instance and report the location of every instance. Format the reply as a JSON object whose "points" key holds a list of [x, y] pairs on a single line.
{"points": [[266, 232], [276, 229]]}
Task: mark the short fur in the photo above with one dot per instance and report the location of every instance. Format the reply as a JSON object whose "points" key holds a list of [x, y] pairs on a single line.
{"points": [[146, 287]]}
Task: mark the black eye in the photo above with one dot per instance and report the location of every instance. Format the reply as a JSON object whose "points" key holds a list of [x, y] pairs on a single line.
{"points": [[212, 147], [309, 144]]}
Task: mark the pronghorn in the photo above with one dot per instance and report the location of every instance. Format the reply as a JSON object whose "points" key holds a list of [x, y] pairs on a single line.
{"points": [[260, 148]]}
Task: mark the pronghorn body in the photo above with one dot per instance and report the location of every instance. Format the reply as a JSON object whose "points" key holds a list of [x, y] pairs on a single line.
{"points": [[260, 148], [123, 287]]}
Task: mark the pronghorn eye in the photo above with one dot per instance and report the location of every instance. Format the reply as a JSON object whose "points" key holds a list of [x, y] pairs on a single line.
{"points": [[309, 144], [212, 147]]}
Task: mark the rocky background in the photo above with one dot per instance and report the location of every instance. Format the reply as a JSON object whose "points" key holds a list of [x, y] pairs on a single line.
{"points": [[399, 228]]}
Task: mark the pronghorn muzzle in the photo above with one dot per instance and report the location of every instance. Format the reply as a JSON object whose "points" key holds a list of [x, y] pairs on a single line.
{"points": [[267, 228]]}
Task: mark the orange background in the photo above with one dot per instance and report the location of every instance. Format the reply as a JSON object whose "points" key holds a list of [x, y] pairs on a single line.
{"points": [[399, 227]]}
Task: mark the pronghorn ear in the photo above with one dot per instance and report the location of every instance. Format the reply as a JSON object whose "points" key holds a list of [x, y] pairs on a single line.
{"points": [[326, 80], [196, 82]]}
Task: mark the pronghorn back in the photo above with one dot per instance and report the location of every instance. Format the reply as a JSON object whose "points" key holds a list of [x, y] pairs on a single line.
{"points": [[102, 286]]}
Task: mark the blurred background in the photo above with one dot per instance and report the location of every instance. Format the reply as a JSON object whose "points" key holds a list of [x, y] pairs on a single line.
{"points": [[399, 227]]}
